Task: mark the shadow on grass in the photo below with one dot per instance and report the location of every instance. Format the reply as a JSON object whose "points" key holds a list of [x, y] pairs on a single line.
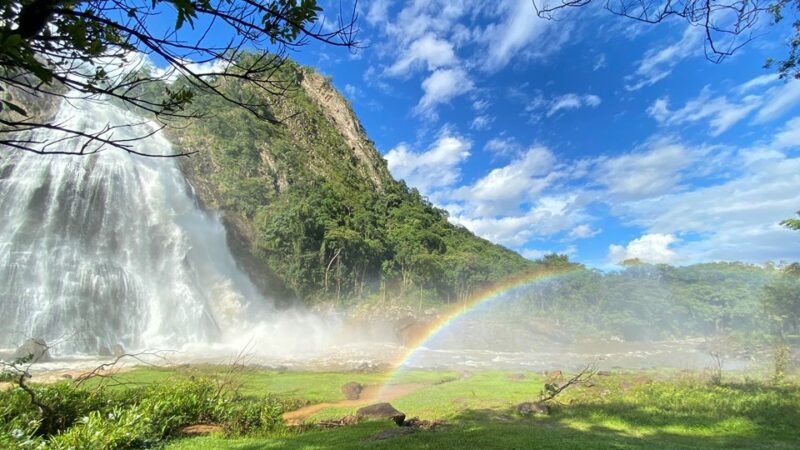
{"points": [[650, 416]]}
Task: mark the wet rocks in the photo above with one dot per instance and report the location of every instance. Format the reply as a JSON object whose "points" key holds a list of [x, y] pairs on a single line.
{"points": [[352, 390], [381, 411], [536, 408], [37, 349], [117, 350]]}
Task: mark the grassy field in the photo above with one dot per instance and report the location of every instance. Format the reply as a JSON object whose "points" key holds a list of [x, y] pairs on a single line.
{"points": [[620, 410]]}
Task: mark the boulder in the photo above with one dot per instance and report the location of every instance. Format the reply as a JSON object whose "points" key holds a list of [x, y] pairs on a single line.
{"points": [[382, 411], [35, 347], [117, 350], [352, 390], [516, 377], [533, 408]]}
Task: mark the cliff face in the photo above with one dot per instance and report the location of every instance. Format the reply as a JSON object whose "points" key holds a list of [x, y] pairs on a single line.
{"points": [[312, 210], [337, 110]]}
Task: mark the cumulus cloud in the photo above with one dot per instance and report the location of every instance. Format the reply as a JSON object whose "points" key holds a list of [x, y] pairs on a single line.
{"points": [[428, 51], [436, 167], [504, 189], [548, 215], [649, 248], [442, 86]]}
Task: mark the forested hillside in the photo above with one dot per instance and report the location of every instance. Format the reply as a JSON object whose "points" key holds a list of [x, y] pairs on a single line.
{"points": [[644, 302], [312, 210]]}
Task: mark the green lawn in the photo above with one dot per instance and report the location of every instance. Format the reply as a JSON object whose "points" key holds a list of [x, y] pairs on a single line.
{"points": [[624, 410]]}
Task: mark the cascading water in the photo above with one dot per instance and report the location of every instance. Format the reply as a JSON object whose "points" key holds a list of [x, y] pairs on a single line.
{"points": [[112, 248]]}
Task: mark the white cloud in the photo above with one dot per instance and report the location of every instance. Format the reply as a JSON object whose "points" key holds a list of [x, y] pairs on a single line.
{"points": [[600, 62], [737, 217], [431, 169], [582, 231], [352, 92], [502, 145], [378, 11], [789, 136], [547, 216], [521, 32], [780, 101], [480, 105], [441, 87], [504, 189], [429, 51], [649, 248], [718, 111], [759, 81], [573, 101], [722, 112], [658, 63], [656, 171], [482, 122]]}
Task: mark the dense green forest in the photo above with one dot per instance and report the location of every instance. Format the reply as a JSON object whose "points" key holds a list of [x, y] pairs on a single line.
{"points": [[643, 301], [316, 210]]}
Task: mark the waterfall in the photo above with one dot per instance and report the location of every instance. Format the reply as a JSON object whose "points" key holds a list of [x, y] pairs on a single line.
{"points": [[112, 248]]}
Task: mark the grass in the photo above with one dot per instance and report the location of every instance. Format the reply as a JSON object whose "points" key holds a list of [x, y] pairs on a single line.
{"points": [[650, 409]]}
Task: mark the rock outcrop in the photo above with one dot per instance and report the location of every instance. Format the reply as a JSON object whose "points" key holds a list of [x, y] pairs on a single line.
{"points": [[36, 349], [382, 411]]}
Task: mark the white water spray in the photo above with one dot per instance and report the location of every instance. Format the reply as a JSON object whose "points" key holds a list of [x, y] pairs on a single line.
{"points": [[112, 248]]}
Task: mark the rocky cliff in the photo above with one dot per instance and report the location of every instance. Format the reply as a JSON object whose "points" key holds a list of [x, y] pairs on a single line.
{"points": [[312, 210]]}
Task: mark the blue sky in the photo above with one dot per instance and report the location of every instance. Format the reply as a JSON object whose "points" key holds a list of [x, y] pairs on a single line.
{"points": [[593, 136]]}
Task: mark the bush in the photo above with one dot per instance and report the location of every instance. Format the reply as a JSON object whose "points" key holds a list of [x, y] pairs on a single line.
{"points": [[109, 419]]}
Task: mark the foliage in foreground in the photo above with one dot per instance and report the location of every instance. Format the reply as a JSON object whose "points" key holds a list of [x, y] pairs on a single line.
{"points": [[131, 418]]}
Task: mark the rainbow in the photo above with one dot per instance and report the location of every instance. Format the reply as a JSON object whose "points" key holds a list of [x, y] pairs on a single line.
{"points": [[484, 297]]}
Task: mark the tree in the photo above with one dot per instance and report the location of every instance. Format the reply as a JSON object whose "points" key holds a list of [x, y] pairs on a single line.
{"points": [[98, 49], [781, 300], [727, 24], [792, 224]]}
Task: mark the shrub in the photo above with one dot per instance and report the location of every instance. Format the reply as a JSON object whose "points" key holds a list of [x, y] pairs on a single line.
{"points": [[134, 418]]}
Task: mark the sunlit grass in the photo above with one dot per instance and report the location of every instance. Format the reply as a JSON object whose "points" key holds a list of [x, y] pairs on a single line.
{"points": [[652, 409]]}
